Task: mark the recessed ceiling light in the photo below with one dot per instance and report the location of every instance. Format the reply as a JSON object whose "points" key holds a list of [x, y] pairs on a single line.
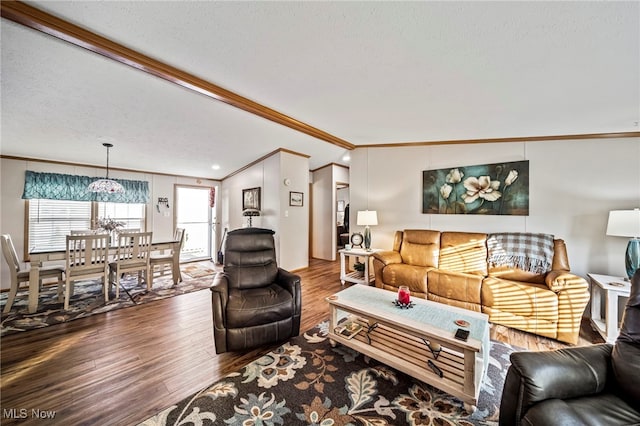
{"points": [[216, 167]]}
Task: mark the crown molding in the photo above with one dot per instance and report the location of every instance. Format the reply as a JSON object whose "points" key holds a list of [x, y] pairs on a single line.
{"points": [[331, 164], [511, 139], [264, 157], [93, 166]]}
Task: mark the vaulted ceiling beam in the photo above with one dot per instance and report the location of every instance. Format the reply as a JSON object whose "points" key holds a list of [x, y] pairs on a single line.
{"points": [[42, 21]]}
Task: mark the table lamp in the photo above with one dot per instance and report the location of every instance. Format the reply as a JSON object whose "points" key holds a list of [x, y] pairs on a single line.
{"points": [[626, 223], [250, 213], [367, 218]]}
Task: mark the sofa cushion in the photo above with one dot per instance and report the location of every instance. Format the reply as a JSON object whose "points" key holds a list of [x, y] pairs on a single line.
{"points": [[414, 277], [463, 252], [521, 299], [455, 288], [602, 409], [420, 247]]}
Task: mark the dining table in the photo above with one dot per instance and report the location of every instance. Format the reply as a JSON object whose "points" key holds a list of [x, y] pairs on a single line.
{"points": [[38, 256]]}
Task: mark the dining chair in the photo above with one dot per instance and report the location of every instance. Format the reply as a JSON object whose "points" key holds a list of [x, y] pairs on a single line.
{"points": [[19, 275], [132, 256], [169, 259], [87, 257]]}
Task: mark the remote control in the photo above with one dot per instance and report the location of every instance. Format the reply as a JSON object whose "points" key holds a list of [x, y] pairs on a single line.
{"points": [[435, 368], [462, 334]]}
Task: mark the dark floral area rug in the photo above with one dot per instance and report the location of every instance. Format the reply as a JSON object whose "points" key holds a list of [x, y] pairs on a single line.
{"points": [[307, 382], [88, 299]]}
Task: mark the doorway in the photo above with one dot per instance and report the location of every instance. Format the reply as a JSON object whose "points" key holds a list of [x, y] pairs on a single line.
{"points": [[342, 214], [194, 214]]}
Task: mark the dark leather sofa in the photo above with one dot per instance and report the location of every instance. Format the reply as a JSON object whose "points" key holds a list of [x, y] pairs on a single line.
{"points": [[589, 385], [254, 301]]}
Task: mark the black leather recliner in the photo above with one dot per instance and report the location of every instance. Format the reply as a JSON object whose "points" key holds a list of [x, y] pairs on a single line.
{"points": [[254, 301], [589, 385]]}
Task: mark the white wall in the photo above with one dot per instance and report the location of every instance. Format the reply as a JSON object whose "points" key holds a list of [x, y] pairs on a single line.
{"points": [[291, 224], [573, 185], [294, 220], [12, 209]]}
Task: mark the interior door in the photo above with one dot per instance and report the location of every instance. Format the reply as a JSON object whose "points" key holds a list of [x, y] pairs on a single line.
{"points": [[194, 214]]}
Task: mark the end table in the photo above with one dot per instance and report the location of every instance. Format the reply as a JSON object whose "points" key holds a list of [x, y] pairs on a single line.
{"points": [[612, 288], [355, 277]]}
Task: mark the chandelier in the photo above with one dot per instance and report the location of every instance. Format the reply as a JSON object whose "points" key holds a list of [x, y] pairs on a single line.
{"points": [[106, 185]]}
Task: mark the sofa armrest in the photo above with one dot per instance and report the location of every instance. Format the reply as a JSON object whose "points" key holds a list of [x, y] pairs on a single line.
{"points": [[388, 257], [561, 374], [563, 280]]}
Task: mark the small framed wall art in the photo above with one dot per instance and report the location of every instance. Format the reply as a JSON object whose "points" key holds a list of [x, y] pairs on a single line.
{"points": [[251, 198], [296, 199]]}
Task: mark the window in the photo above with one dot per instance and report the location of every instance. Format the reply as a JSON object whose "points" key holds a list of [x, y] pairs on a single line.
{"points": [[50, 221], [131, 214]]}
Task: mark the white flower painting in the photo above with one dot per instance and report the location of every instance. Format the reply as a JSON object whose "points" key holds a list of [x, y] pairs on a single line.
{"points": [[490, 189]]}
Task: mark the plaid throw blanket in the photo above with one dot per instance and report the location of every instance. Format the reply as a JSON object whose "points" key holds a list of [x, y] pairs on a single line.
{"points": [[529, 252]]}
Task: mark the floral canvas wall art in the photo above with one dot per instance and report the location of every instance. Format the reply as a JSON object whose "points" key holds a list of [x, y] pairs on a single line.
{"points": [[490, 189]]}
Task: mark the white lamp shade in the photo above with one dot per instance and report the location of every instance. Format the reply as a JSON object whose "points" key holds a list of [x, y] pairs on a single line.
{"points": [[367, 218], [106, 185], [624, 223]]}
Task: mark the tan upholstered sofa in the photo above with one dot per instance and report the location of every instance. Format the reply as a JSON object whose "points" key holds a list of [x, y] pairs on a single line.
{"points": [[453, 268]]}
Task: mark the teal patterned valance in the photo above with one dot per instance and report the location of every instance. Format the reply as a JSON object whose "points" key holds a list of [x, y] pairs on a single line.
{"points": [[55, 186]]}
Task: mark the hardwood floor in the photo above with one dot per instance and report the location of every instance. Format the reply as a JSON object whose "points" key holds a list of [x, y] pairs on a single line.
{"points": [[122, 367]]}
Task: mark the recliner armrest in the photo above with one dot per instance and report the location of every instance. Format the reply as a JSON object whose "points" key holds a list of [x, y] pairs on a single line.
{"points": [[564, 373], [563, 280], [219, 298], [290, 282], [388, 257], [220, 293]]}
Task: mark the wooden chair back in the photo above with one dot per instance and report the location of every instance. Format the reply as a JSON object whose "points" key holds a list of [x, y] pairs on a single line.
{"points": [[178, 235], [10, 255], [87, 252], [133, 248]]}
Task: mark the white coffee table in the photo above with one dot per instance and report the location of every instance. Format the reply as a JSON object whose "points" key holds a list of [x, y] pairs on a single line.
{"points": [[401, 338]]}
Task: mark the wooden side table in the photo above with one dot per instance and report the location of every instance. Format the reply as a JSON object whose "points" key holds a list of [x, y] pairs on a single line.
{"points": [[355, 277], [612, 288]]}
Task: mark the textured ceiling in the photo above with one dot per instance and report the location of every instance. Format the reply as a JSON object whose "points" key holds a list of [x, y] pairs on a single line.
{"points": [[366, 72]]}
